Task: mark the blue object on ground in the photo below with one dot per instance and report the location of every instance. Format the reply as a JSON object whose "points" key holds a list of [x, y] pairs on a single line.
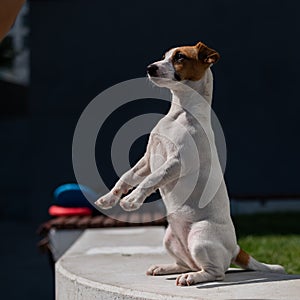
{"points": [[71, 195]]}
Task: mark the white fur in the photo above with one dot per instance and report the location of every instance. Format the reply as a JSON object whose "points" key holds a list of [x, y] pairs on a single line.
{"points": [[200, 236]]}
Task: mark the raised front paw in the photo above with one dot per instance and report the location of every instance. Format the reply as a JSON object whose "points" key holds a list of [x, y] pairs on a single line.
{"points": [[108, 201], [133, 201]]}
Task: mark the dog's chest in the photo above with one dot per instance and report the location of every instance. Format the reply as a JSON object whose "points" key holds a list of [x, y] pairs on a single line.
{"points": [[171, 137], [160, 149]]}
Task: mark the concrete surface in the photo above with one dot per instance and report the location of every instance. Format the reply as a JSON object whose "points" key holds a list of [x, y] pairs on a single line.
{"points": [[61, 240], [111, 264]]}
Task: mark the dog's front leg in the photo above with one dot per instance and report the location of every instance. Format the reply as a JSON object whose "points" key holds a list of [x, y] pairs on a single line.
{"points": [[127, 181], [168, 172]]}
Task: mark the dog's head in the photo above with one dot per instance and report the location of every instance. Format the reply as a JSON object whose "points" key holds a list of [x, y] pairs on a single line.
{"points": [[182, 64]]}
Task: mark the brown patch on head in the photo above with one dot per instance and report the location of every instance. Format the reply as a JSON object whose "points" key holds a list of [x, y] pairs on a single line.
{"points": [[191, 62]]}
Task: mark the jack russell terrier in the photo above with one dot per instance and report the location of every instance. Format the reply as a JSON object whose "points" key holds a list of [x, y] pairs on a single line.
{"points": [[200, 236]]}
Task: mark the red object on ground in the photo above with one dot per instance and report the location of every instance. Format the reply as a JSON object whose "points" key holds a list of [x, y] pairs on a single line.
{"points": [[58, 211]]}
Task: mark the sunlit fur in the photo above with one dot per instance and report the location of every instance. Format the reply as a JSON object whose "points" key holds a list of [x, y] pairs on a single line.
{"points": [[200, 237]]}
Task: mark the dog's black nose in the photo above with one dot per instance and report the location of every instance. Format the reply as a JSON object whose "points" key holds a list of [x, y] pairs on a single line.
{"points": [[151, 69]]}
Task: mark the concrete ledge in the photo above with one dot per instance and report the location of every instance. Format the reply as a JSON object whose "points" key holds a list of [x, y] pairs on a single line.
{"points": [[111, 264]]}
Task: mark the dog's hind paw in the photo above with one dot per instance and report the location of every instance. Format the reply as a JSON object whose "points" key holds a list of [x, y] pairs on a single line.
{"points": [[165, 269], [156, 270], [186, 279], [197, 277]]}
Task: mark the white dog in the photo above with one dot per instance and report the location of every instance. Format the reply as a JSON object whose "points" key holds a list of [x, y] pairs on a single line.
{"points": [[181, 161]]}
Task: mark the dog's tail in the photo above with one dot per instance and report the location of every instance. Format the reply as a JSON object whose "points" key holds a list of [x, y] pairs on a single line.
{"points": [[246, 261]]}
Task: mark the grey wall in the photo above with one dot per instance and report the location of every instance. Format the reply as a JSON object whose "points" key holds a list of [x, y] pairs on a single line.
{"points": [[79, 48]]}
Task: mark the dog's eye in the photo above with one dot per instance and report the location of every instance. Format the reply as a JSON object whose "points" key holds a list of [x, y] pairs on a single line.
{"points": [[179, 57]]}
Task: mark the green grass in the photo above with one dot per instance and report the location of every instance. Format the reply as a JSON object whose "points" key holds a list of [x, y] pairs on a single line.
{"points": [[271, 238], [275, 249]]}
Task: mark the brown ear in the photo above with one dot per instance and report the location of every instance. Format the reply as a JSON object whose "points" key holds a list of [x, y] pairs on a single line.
{"points": [[207, 55]]}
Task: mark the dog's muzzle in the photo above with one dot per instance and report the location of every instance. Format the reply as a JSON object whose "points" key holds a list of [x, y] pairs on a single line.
{"points": [[152, 70]]}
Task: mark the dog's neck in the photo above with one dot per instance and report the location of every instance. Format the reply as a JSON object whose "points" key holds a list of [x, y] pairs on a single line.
{"points": [[190, 95]]}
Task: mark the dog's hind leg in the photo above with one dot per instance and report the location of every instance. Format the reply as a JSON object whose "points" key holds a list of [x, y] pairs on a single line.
{"points": [[212, 260], [175, 249], [209, 258]]}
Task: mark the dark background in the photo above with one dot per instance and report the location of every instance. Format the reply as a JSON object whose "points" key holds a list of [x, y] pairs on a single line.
{"points": [[79, 48]]}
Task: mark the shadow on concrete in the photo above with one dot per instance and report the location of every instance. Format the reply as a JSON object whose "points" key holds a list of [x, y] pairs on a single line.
{"points": [[242, 277]]}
